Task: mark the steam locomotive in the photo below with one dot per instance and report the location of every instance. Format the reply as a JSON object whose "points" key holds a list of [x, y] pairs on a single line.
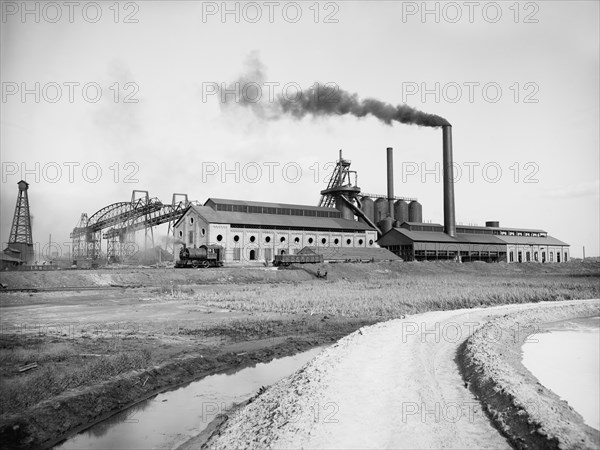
{"points": [[203, 256]]}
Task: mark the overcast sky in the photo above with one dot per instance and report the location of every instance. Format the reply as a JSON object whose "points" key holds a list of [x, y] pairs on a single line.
{"points": [[130, 90]]}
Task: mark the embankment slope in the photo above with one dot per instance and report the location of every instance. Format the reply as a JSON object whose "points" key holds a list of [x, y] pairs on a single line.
{"points": [[392, 385]]}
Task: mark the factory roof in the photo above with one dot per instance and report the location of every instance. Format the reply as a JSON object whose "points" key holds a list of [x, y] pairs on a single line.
{"points": [[527, 230], [224, 201], [496, 230], [417, 226], [429, 224], [5, 257], [464, 238], [275, 220], [531, 240], [420, 236]]}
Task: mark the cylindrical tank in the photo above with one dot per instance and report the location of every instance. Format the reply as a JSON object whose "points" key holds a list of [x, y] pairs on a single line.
{"points": [[343, 207], [386, 224], [381, 209], [415, 212], [401, 211], [493, 224], [368, 208]]}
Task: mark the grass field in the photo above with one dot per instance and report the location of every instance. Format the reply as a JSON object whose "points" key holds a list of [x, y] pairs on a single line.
{"points": [[52, 379], [391, 291], [392, 298]]}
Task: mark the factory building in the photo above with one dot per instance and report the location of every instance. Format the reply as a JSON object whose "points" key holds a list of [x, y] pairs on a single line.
{"points": [[348, 219], [492, 243], [414, 240], [256, 231]]}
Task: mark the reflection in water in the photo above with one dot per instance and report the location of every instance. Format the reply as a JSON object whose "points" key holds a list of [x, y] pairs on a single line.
{"points": [[171, 418], [567, 361]]}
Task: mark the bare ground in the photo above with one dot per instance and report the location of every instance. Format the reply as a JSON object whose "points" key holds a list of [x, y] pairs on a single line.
{"points": [[530, 415], [398, 385]]}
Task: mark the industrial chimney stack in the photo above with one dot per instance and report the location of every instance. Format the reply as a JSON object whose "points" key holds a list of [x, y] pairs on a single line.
{"points": [[449, 216]]}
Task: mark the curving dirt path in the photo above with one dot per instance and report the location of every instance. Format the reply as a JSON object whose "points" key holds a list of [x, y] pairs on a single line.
{"points": [[391, 385]]}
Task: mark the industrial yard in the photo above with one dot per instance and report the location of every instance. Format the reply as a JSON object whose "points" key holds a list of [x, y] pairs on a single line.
{"points": [[247, 282], [103, 340], [299, 225]]}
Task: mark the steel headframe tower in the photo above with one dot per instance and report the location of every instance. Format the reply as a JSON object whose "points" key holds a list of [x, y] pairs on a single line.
{"points": [[341, 185], [20, 233]]}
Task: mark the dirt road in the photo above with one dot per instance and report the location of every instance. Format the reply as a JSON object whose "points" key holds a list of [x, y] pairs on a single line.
{"points": [[390, 385]]}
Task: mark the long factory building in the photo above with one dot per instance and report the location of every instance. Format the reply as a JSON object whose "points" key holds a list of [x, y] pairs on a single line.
{"points": [[256, 231], [379, 224]]}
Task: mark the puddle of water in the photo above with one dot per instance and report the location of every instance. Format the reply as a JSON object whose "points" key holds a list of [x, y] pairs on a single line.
{"points": [[173, 417], [567, 361]]}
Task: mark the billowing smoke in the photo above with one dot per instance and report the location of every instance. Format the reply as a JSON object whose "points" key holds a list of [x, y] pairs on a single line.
{"points": [[319, 100]]}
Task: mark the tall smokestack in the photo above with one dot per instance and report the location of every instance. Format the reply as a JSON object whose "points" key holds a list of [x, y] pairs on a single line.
{"points": [[449, 217], [390, 181]]}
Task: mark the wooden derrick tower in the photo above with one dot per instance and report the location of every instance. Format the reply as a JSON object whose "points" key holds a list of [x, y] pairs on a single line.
{"points": [[20, 242]]}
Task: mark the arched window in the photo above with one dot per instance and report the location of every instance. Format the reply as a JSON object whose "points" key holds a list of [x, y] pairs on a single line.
{"points": [[191, 220], [371, 242], [219, 237], [282, 239], [310, 240], [360, 242], [268, 239], [323, 241], [336, 241], [236, 238], [203, 232], [296, 240], [252, 238], [348, 241]]}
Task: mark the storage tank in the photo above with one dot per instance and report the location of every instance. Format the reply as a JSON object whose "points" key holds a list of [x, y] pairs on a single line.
{"points": [[401, 211], [385, 225], [368, 208], [415, 212], [381, 209]]}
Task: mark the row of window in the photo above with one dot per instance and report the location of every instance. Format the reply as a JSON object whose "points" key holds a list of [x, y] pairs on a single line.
{"points": [[511, 256], [519, 233], [276, 227], [279, 211], [282, 239]]}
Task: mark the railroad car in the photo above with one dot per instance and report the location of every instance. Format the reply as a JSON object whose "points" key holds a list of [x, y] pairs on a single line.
{"points": [[203, 256], [286, 260]]}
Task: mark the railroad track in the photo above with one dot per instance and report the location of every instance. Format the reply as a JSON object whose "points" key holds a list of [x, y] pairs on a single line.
{"points": [[75, 288]]}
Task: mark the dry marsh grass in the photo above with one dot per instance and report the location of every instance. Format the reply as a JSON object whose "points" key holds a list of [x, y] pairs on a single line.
{"points": [[395, 296], [51, 378]]}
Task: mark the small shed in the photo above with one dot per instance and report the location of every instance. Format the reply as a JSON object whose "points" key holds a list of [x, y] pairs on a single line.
{"points": [[8, 262]]}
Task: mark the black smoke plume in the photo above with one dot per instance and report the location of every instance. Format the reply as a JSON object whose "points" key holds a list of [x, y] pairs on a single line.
{"points": [[319, 100]]}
